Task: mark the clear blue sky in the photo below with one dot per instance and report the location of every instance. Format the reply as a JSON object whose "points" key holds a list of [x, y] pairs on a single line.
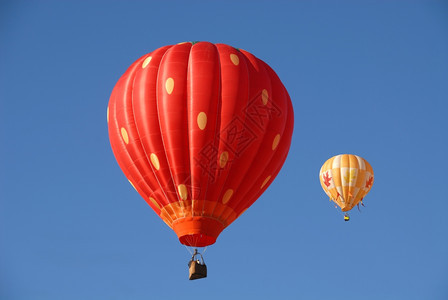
{"points": [[365, 77]]}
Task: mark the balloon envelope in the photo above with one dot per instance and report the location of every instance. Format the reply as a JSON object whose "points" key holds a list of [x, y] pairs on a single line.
{"points": [[200, 130], [346, 179]]}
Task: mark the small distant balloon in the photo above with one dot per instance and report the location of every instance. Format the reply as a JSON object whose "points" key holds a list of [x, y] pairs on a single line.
{"points": [[346, 179]]}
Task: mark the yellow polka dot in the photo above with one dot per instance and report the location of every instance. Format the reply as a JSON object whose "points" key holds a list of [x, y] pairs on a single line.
{"points": [[146, 62], [264, 96], [153, 201], [169, 85], [108, 114], [235, 59], [227, 195], [276, 141], [155, 161], [202, 120], [183, 193], [223, 158], [124, 135], [265, 181], [132, 184]]}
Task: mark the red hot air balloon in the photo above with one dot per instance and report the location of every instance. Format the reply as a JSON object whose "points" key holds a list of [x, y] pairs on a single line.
{"points": [[200, 130]]}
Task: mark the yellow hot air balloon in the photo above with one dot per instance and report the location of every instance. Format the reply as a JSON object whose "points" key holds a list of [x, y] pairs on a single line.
{"points": [[346, 179]]}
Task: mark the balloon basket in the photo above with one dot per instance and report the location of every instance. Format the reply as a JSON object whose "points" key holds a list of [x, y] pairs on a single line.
{"points": [[198, 270]]}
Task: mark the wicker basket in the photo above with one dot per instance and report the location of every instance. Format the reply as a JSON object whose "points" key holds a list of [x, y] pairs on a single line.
{"points": [[197, 270], [197, 267]]}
